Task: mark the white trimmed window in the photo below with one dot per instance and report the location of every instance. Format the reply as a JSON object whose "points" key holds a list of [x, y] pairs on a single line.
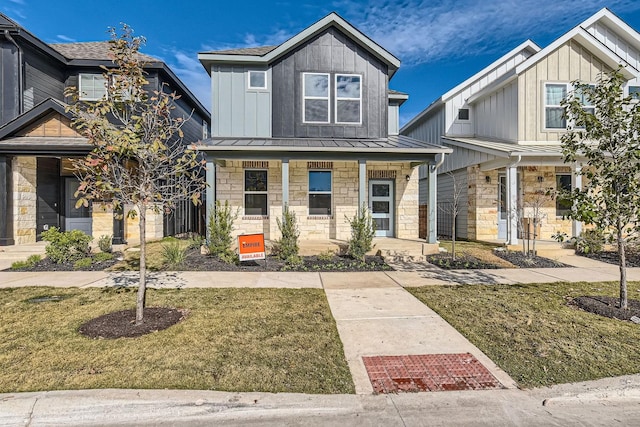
{"points": [[315, 94], [634, 92], [554, 93], [320, 192], [348, 100], [463, 114], [255, 192], [257, 79], [92, 87]]}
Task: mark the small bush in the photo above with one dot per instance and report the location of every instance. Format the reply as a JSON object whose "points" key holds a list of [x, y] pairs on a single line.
{"points": [[287, 247], [66, 246], [104, 243], [173, 253], [34, 259], [220, 227], [29, 263], [590, 242], [82, 263], [326, 256], [103, 256], [363, 230]]}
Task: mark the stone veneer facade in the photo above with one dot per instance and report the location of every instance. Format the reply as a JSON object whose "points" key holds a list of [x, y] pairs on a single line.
{"points": [[230, 187], [24, 199], [483, 201]]}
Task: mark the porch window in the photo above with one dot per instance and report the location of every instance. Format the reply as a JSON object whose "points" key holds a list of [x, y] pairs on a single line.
{"points": [[315, 93], [348, 99], [553, 112], [255, 192], [319, 192], [563, 183], [92, 87]]}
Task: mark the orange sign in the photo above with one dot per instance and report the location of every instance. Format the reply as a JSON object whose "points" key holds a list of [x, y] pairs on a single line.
{"points": [[251, 246]]}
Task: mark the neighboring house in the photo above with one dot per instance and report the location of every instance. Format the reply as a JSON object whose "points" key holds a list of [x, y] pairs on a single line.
{"points": [[312, 124], [505, 123], [37, 142]]}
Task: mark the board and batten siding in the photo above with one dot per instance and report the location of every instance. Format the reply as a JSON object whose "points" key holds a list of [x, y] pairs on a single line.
{"points": [[429, 129], [329, 52], [445, 199], [616, 43], [236, 110], [394, 119], [43, 79], [455, 127], [9, 71], [497, 114], [462, 158], [569, 62]]}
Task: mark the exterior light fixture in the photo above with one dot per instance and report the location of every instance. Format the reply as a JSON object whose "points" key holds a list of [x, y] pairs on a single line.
{"points": [[487, 179], [408, 178]]}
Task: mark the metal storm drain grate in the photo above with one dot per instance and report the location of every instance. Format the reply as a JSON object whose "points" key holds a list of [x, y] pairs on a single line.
{"points": [[428, 372]]}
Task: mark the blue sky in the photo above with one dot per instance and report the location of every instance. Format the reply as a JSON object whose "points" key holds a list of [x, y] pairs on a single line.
{"points": [[440, 42]]}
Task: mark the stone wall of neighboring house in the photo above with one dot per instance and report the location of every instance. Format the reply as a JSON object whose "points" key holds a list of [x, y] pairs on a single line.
{"points": [[132, 228], [230, 187], [24, 199], [483, 204], [101, 221]]}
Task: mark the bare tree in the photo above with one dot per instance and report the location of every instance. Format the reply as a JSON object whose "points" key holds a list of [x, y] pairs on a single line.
{"points": [[138, 157], [533, 210], [453, 208]]}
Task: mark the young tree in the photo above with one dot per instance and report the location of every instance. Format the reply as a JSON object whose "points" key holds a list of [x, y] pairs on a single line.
{"points": [[138, 157], [453, 207], [606, 135]]}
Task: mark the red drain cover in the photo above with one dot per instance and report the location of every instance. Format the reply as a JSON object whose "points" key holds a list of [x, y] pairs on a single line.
{"points": [[428, 372]]}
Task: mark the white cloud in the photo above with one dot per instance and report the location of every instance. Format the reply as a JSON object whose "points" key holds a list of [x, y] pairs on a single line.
{"points": [[422, 31], [187, 67], [65, 39], [20, 2]]}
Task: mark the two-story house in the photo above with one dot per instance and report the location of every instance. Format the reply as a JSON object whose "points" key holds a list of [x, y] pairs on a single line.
{"points": [[312, 124], [37, 141], [504, 125]]}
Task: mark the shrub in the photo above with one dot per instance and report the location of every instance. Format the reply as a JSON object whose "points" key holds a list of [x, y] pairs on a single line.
{"points": [[326, 256], [66, 246], [82, 263], [220, 227], [103, 256], [29, 263], [590, 242], [104, 243], [173, 253], [363, 230], [287, 247]]}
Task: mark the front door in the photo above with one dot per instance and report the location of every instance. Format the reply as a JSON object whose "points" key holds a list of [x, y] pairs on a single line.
{"points": [[502, 206], [381, 206], [75, 219]]}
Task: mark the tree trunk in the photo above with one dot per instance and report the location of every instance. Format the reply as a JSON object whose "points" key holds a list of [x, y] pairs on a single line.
{"points": [[623, 270], [453, 237], [142, 288]]}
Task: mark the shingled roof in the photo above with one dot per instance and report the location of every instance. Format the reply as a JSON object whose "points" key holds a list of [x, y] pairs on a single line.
{"points": [[255, 51], [91, 50]]}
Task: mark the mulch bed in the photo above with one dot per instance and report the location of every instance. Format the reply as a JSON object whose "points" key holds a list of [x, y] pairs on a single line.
{"points": [[121, 324], [523, 261], [632, 257], [462, 262], [46, 264], [607, 306]]}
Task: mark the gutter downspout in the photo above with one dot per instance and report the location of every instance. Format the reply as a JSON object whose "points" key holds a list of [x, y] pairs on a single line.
{"points": [[8, 36], [512, 206], [438, 164]]}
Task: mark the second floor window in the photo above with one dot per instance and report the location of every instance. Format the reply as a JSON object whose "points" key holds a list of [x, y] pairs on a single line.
{"points": [[553, 112], [257, 79], [348, 98], [315, 93], [92, 87]]}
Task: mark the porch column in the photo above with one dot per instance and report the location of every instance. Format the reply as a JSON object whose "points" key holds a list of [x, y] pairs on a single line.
{"points": [[211, 188], [285, 183], [6, 223], [432, 232], [512, 205], [576, 182], [362, 183]]}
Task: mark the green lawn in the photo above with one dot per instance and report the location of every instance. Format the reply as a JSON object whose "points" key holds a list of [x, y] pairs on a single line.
{"points": [[480, 250], [271, 340], [533, 335]]}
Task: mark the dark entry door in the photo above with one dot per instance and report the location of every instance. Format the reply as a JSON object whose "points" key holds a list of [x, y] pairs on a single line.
{"points": [[48, 194]]}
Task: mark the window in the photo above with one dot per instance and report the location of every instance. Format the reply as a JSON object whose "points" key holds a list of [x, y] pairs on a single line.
{"points": [[563, 183], [634, 92], [463, 114], [319, 192], [315, 92], [93, 87], [553, 112], [255, 192], [257, 79], [348, 98]]}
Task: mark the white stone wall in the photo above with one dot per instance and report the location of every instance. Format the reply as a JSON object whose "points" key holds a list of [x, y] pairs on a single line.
{"points": [[153, 228], [24, 199], [230, 187]]}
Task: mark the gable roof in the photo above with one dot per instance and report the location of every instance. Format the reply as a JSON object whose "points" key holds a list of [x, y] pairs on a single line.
{"points": [[27, 118], [92, 50], [268, 54]]}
